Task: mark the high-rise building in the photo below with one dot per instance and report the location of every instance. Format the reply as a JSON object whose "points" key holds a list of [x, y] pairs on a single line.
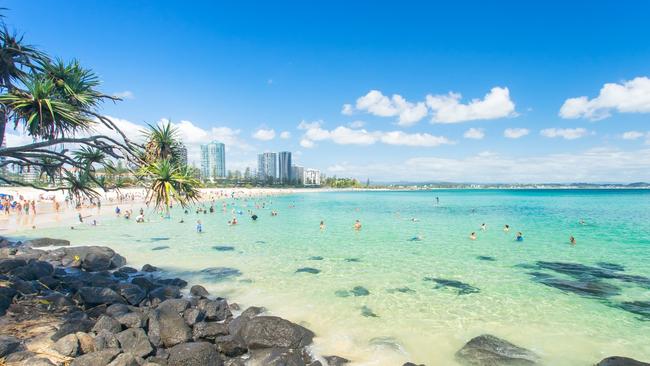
{"points": [[266, 166], [297, 173], [182, 154], [284, 167], [213, 161], [311, 177]]}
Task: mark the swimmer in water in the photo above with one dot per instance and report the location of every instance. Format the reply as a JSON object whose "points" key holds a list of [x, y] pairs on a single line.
{"points": [[199, 227], [414, 219], [520, 236], [582, 222], [483, 227], [472, 236], [572, 240], [234, 221], [357, 225], [506, 228], [322, 225], [254, 217], [182, 221]]}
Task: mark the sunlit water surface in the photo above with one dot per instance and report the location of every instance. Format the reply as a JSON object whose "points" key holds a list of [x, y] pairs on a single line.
{"points": [[418, 322]]}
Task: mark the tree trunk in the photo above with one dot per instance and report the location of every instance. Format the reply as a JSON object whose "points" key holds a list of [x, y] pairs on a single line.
{"points": [[3, 125]]}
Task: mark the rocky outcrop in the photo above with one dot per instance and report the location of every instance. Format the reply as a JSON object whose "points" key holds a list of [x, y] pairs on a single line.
{"points": [[621, 361]]}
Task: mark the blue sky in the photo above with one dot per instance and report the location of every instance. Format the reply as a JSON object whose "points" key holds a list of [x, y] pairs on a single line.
{"points": [[431, 87]]}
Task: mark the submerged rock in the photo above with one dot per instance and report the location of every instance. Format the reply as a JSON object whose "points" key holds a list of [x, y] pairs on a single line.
{"points": [[637, 307], [353, 260], [46, 242], [308, 270], [336, 360], [223, 248], [611, 266], [198, 290], [404, 290], [597, 289], [159, 239], [219, 273], [489, 350], [485, 258], [342, 293], [360, 291], [621, 361], [462, 287], [163, 247], [368, 313], [316, 258]]}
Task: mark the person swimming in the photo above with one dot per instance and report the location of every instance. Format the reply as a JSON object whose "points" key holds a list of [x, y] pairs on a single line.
{"points": [[520, 236], [472, 236], [506, 228], [322, 225], [357, 225], [182, 221], [234, 220], [254, 217], [582, 222], [199, 227], [572, 240], [483, 227], [416, 238]]}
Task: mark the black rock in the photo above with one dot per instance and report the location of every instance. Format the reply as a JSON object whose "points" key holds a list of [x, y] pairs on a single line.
{"points": [[117, 309], [135, 341], [209, 330], [194, 354], [67, 346], [277, 357], [127, 359], [178, 282], [130, 320], [6, 298], [46, 242], [72, 326], [231, 346], [490, 350], [164, 293], [336, 360], [621, 361], [144, 282], [20, 356], [271, 331], [149, 268], [167, 328], [8, 264], [175, 305], [8, 345], [308, 270], [133, 294], [368, 313], [198, 290], [38, 361], [33, 270], [105, 340], [193, 316], [127, 270], [97, 358], [462, 287], [215, 309], [91, 296]]}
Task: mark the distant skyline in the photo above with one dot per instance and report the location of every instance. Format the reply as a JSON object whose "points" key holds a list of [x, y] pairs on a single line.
{"points": [[509, 91]]}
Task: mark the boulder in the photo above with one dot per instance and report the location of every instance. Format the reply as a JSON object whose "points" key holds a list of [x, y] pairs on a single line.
{"points": [[198, 290], [73, 326], [92, 296], [108, 324], [97, 358], [277, 357], [209, 330], [272, 331], [336, 360], [19, 356], [215, 309], [621, 361], [38, 361], [67, 345], [33, 270], [178, 282], [149, 268], [135, 341], [167, 328], [92, 258], [194, 354], [133, 294], [6, 298], [8, 345], [130, 320], [127, 270], [105, 340], [489, 350], [165, 292], [8, 264], [230, 346], [192, 316], [174, 305], [47, 242], [144, 283], [116, 309], [86, 342], [127, 359]]}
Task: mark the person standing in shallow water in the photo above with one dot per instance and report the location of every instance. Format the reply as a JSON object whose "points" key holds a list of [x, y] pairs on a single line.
{"points": [[572, 240], [322, 225], [357, 225]]}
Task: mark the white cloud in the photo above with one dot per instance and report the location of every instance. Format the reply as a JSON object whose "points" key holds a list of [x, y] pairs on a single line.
{"points": [[474, 133], [595, 165], [515, 133], [347, 136], [632, 135], [264, 134], [565, 133], [380, 105], [127, 94], [285, 135], [448, 109], [307, 144], [632, 96], [347, 109], [356, 124]]}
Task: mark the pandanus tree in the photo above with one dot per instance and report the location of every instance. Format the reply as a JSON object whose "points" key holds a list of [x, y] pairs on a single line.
{"points": [[56, 104]]}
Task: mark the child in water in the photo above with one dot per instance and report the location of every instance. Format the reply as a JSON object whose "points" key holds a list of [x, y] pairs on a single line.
{"points": [[199, 227], [506, 228], [472, 236], [520, 236]]}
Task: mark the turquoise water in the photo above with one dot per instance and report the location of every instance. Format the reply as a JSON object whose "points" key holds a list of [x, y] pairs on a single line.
{"points": [[413, 319]]}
